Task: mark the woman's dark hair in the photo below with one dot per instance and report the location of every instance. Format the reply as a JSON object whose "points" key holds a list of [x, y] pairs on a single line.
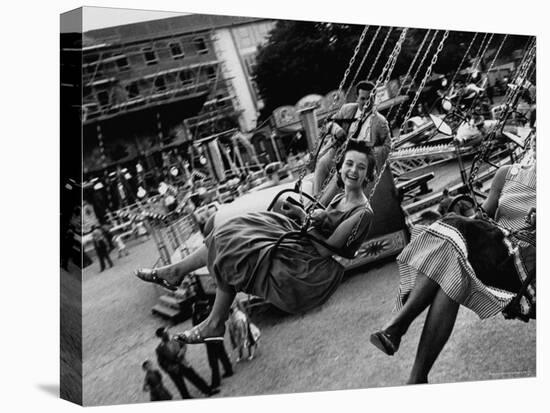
{"points": [[358, 146]]}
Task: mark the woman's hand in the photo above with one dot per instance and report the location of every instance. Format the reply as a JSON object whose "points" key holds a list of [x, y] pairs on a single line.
{"points": [[317, 217], [293, 210]]}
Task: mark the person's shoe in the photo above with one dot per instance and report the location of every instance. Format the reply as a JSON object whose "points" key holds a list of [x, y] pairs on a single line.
{"points": [[227, 374], [195, 336], [151, 276], [385, 342]]}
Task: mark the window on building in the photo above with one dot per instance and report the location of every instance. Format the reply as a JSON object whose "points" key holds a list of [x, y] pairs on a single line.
{"points": [[103, 98], [176, 50], [150, 56], [250, 63], [211, 72], [160, 84], [186, 77], [200, 45], [244, 38], [122, 63], [133, 90]]}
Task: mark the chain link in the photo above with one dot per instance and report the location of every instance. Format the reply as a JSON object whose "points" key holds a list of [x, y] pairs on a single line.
{"points": [[417, 72], [463, 58], [408, 74], [363, 61], [495, 56], [486, 143], [324, 129], [481, 53], [351, 238], [350, 64], [379, 52], [384, 77], [389, 68]]}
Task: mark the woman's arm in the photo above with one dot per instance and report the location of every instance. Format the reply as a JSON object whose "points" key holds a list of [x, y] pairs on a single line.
{"points": [[491, 203], [342, 233]]}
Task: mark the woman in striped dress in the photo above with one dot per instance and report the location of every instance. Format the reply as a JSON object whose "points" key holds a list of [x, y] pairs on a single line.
{"points": [[464, 261]]}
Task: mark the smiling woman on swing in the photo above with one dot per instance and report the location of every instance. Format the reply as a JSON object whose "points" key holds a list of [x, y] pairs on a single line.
{"points": [[470, 262], [298, 275]]}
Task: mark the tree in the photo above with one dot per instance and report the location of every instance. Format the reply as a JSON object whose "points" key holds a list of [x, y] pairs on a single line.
{"points": [[301, 57]]}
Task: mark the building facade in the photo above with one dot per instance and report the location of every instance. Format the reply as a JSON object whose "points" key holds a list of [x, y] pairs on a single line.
{"points": [[154, 85]]}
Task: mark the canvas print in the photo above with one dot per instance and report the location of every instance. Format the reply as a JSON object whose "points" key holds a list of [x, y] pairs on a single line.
{"points": [[256, 206]]}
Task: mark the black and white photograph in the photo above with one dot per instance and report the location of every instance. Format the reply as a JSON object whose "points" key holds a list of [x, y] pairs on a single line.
{"points": [[274, 206], [266, 206]]}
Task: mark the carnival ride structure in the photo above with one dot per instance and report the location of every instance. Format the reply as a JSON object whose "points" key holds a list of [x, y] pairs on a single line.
{"points": [[419, 143]]}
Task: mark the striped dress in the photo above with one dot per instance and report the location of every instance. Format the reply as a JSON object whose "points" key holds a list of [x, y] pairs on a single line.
{"points": [[470, 258]]}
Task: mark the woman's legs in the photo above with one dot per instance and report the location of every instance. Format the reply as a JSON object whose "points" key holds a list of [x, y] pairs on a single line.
{"points": [[214, 324], [174, 273], [421, 296], [437, 330]]}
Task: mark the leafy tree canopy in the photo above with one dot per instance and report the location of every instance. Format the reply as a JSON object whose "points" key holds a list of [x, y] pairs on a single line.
{"points": [[302, 57]]}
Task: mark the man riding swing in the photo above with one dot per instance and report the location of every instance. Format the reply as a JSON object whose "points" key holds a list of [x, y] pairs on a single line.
{"points": [[359, 121]]}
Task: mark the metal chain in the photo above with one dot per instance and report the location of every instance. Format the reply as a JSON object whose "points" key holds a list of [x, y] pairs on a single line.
{"points": [[340, 152], [363, 61], [481, 53], [476, 98], [384, 76], [495, 56], [413, 79], [379, 176], [425, 79], [411, 106], [408, 73], [335, 99], [350, 64], [379, 52], [485, 145], [463, 58]]}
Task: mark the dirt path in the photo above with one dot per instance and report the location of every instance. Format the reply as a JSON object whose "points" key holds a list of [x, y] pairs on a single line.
{"points": [[326, 349]]}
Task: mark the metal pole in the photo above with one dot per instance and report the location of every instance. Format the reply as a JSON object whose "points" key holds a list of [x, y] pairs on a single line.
{"points": [[309, 123]]}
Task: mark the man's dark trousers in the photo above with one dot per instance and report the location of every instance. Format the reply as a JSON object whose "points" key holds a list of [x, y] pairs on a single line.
{"points": [[216, 352]]}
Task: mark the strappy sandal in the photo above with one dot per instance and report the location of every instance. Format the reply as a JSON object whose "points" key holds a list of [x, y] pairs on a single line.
{"points": [[384, 342], [194, 336], [151, 276]]}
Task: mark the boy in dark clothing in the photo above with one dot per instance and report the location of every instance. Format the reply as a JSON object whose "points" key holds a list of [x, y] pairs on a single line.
{"points": [[153, 383], [102, 248], [171, 358]]}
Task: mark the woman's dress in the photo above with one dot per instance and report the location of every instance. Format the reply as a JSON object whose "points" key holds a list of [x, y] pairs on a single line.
{"points": [[296, 277], [470, 258]]}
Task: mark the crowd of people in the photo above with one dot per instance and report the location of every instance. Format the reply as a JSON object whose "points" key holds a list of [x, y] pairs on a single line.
{"points": [[483, 264]]}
